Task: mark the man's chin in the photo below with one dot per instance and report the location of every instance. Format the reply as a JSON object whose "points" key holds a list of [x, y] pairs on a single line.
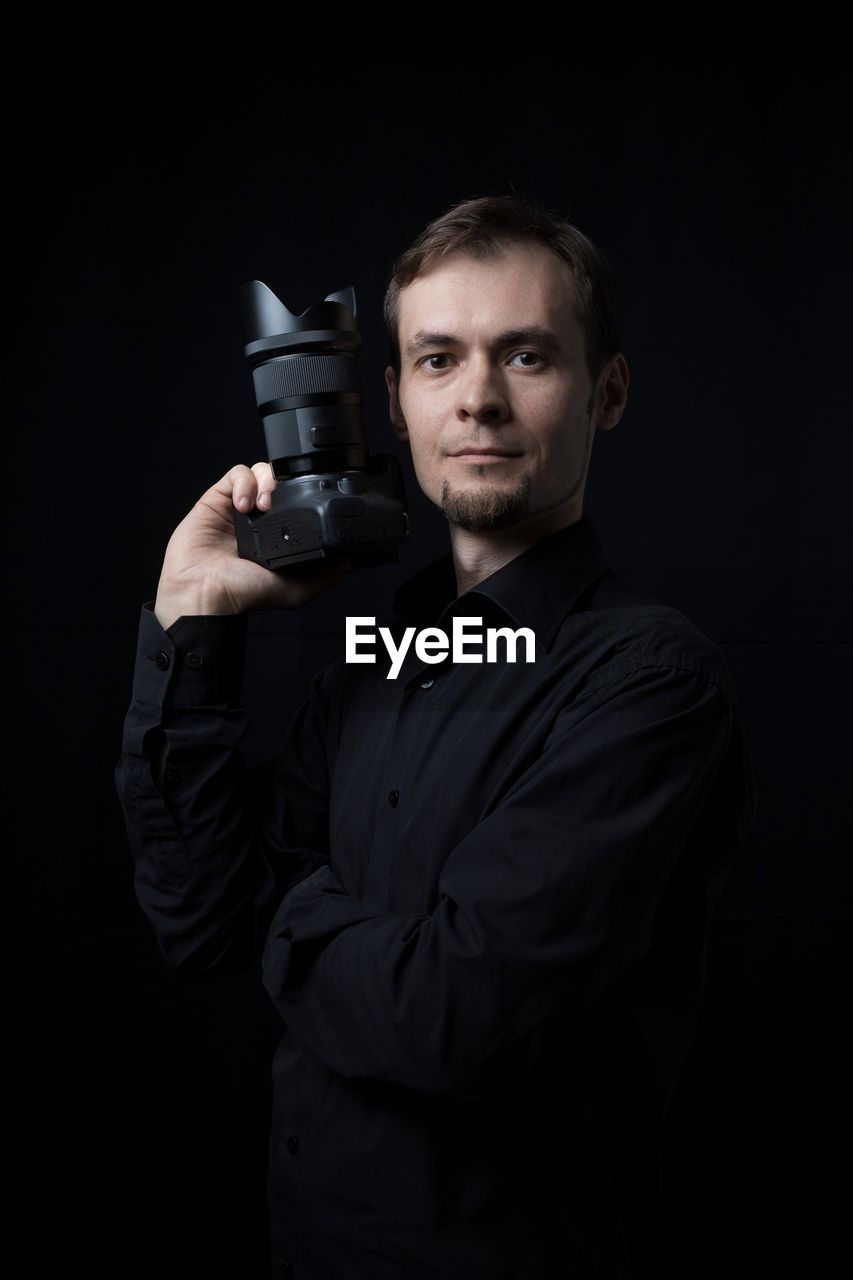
{"points": [[484, 510]]}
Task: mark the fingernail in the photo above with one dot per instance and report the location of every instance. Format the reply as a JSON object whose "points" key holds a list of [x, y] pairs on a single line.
{"points": [[264, 500], [242, 503]]}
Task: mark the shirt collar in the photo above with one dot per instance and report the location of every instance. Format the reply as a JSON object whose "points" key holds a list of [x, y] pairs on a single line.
{"points": [[536, 589]]}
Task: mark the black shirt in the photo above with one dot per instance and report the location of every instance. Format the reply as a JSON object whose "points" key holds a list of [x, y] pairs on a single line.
{"points": [[480, 894]]}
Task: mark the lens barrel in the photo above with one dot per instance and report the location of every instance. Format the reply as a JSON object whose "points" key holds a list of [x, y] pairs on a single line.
{"points": [[307, 381]]}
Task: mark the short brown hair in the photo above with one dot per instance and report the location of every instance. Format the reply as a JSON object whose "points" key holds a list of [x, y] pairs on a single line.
{"points": [[486, 225]]}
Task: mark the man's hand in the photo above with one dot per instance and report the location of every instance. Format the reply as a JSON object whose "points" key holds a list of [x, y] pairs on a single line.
{"points": [[203, 572]]}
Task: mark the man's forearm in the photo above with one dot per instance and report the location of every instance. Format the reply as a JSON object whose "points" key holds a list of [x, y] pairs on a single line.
{"points": [[216, 845]]}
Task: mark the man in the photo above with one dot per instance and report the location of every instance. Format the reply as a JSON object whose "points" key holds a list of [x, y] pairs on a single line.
{"points": [[480, 891]]}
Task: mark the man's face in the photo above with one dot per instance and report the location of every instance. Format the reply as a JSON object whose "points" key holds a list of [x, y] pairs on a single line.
{"points": [[493, 358]]}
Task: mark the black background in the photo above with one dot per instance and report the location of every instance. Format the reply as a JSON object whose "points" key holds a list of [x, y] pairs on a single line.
{"points": [[711, 163]]}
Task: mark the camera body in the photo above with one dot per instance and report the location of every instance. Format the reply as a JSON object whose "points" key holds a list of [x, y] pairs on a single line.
{"points": [[332, 499], [356, 514]]}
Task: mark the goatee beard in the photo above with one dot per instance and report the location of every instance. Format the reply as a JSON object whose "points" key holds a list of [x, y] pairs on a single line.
{"points": [[483, 510]]}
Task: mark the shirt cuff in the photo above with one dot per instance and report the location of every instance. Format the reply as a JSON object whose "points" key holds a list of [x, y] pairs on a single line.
{"points": [[198, 661]]}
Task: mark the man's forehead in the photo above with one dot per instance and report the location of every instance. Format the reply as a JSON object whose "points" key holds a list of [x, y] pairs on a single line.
{"points": [[521, 288]]}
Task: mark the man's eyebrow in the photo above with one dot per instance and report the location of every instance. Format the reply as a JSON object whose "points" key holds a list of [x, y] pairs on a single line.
{"points": [[424, 339]]}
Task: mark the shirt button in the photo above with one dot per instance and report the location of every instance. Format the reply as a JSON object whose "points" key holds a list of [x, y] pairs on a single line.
{"points": [[171, 775], [162, 660], [393, 797], [194, 659], [427, 684], [293, 1144]]}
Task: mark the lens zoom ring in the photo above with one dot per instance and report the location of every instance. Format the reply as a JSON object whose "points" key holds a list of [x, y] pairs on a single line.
{"points": [[305, 375]]}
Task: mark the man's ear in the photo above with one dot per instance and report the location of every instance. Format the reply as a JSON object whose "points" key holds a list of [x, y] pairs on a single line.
{"points": [[612, 394], [394, 411]]}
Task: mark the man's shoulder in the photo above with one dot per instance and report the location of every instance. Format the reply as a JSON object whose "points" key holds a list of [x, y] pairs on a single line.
{"points": [[625, 628]]}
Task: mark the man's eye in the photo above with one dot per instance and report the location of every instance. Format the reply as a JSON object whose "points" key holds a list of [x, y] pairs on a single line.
{"points": [[528, 362], [537, 359]]}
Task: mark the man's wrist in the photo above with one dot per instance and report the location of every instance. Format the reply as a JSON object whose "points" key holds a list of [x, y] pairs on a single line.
{"points": [[196, 604]]}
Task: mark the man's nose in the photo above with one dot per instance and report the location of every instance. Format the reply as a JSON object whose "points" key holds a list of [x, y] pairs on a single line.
{"points": [[481, 391]]}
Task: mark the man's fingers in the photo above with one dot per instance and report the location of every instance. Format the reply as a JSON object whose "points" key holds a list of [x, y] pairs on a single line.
{"points": [[242, 485], [266, 482], [245, 487]]}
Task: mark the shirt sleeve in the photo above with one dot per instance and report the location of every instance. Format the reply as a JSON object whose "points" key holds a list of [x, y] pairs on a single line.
{"points": [[218, 847], [552, 897]]}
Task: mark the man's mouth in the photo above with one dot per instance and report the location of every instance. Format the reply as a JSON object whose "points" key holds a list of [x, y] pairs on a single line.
{"points": [[484, 455]]}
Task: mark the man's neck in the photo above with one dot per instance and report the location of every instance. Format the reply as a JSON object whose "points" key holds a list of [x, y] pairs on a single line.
{"points": [[478, 555]]}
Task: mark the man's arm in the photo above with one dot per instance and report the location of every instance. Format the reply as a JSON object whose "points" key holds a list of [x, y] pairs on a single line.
{"points": [[554, 896], [215, 845]]}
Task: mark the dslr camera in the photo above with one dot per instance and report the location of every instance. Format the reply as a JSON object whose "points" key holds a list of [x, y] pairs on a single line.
{"points": [[332, 499]]}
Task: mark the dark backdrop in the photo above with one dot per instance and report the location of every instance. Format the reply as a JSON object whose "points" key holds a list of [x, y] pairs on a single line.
{"points": [[712, 166]]}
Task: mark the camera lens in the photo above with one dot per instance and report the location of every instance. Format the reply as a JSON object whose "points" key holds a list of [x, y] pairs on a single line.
{"points": [[332, 498], [307, 380]]}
